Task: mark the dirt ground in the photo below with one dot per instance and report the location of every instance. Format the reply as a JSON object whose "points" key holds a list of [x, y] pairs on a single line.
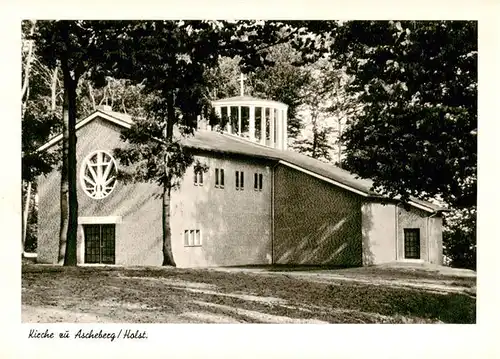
{"points": [[427, 277], [388, 294]]}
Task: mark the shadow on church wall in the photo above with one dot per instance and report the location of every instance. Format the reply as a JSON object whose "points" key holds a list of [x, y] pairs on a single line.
{"points": [[317, 223]]}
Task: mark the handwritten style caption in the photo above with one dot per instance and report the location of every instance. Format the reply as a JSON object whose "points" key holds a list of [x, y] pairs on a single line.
{"points": [[122, 334]]}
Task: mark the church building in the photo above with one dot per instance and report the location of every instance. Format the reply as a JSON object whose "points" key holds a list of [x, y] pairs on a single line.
{"points": [[258, 203]]}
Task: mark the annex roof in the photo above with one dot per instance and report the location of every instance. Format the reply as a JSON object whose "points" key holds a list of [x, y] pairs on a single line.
{"points": [[216, 142], [225, 143]]}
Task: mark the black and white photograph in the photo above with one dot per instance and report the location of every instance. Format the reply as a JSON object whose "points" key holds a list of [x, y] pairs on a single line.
{"points": [[254, 171], [249, 171]]}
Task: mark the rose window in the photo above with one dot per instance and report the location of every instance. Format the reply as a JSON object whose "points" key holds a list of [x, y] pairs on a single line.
{"points": [[98, 174]]}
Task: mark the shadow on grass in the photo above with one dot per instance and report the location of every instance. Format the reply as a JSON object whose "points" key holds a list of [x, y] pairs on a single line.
{"points": [[291, 267], [244, 297], [448, 308]]}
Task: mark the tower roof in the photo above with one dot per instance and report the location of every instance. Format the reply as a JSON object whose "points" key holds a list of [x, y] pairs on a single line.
{"points": [[247, 100]]}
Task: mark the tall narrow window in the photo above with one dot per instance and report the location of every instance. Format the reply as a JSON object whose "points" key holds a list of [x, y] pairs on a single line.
{"points": [[219, 178], [192, 238], [198, 178], [257, 181], [239, 180], [412, 243]]}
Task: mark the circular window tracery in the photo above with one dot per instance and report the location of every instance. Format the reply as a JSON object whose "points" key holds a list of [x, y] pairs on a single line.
{"points": [[98, 174]]}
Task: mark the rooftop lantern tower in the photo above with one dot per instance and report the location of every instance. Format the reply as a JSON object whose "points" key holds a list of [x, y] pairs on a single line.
{"points": [[258, 120]]}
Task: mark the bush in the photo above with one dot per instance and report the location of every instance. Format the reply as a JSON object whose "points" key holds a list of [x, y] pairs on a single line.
{"points": [[459, 238]]}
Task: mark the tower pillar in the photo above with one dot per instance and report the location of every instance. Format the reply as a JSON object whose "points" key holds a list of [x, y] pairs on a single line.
{"points": [[252, 122], [271, 128], [285, 129], [263, 125]]}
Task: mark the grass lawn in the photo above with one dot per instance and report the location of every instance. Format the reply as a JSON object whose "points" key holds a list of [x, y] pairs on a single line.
{"points": [[167, 295]]}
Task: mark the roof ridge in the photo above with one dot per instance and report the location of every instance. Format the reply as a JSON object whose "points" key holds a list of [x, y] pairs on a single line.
{"points": [[243, 139], [326, 171]]}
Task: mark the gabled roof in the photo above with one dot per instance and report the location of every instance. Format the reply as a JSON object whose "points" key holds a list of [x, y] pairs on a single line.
{"points": [[230, 144], [118, 118]]}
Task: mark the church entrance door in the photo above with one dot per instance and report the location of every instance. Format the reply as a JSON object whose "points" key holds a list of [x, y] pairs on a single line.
{"points": [[99, 243]]}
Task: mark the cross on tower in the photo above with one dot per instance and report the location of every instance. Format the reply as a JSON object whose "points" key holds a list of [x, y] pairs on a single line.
{"points": [[242, 86]]}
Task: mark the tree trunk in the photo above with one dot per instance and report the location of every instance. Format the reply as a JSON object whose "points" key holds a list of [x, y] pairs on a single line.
{"points": [[54, 90], [123, 106], [112, 94], [339, 140], [69, 203], [91, 93], [315, 136], [25, 215], [70, 255], [24, 104], [64, 195], [27, 67], [104, 97], [168, 257]]}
